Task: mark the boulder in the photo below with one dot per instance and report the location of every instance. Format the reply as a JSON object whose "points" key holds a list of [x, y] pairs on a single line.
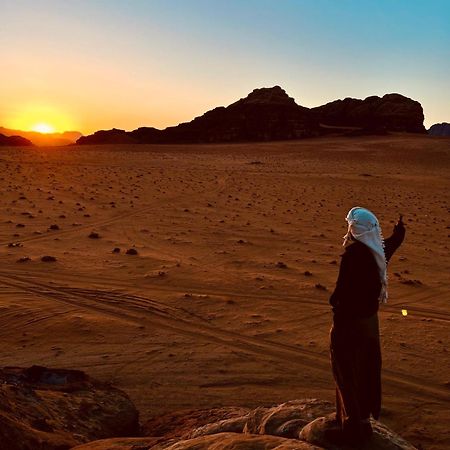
{"points": [[221, 441], [185, 423], [286, 419], [382, 439], [291, 425], [49, 409]]}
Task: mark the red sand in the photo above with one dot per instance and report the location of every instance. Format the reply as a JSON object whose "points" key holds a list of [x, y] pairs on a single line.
{"points": [[204, 315]]}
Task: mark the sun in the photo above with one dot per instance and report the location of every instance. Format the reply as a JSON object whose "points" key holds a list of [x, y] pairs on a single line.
{"points": [[44, 128]]}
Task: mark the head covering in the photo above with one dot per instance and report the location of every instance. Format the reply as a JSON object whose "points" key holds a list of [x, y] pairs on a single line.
{"points": [[363, 225]]}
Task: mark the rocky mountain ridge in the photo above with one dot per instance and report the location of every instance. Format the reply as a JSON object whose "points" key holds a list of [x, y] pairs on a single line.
{"points": [[269, 114]]}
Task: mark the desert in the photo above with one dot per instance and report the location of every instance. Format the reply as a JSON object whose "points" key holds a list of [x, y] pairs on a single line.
{"points": [[197, 276]]}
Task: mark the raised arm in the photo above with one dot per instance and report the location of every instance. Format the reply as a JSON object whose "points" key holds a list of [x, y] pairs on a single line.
{"points": [[393, 242]]}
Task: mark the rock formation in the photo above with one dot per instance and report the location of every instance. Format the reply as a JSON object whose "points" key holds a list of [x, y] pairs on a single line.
{"points": [[392, 112], [113, 136], [440, 129], [266, 114], [383, 438], [269, 114], [14, 141], [55, 409], [295, 425]]}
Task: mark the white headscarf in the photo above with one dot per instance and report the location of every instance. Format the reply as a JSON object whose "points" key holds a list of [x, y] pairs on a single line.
{"points": [[364, 226]]}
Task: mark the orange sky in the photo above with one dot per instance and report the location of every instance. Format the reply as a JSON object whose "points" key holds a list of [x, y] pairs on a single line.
{"points": [[96, 65]]}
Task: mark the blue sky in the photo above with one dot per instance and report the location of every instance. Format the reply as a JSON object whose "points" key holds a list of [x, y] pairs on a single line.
{"points": [[132, 63]]}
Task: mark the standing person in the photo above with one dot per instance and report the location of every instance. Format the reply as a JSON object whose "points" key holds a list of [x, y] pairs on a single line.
{"points": [[354, 337]]}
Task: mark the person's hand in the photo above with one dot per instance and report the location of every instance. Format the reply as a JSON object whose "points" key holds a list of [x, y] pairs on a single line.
{"points": [[399, 226]]}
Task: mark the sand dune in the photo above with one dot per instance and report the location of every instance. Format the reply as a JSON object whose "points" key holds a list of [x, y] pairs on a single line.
{"points": [[222, 299]]}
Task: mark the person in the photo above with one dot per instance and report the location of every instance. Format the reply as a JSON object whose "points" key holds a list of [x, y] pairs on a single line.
{"points": [[354, 336]]}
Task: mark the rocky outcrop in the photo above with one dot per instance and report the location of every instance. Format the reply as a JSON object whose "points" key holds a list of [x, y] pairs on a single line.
{"points": [[182, 423], [294, 425], [269, 114], [49, 409], [382, 439], [220, 441], [440, 129], [266, 114], [114, 136], [14, 141], [392, 112]]}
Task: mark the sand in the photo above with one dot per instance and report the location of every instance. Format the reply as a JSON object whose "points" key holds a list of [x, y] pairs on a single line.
{"points": [[237, 251]]}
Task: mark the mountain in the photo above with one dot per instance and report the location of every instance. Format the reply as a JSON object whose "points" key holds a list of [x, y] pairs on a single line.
{"points": [[440, 129], [269, 114], [41, 139], [14, 141], [266, 114], [392, 112]]}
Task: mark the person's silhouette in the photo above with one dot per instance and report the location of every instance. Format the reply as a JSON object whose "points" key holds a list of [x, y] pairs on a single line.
{"points": [[354, 337]]}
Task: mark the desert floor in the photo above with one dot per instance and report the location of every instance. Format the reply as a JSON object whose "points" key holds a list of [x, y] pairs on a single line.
{"points": [[226, 301]]}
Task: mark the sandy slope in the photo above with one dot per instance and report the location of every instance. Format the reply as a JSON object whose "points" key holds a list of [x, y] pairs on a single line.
{"points": [[205, 314]]}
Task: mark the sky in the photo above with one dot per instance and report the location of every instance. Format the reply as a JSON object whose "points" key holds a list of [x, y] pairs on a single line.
{"points": [[97, 64]]}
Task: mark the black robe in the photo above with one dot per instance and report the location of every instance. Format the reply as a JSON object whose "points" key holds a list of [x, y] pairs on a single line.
{"points": [[354, 337]]}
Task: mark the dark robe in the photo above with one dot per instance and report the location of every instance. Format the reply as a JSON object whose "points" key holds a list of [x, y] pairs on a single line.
{"points": [[354, 337]]}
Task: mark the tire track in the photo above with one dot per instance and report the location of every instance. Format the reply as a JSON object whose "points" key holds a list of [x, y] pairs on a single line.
{"points": [[98, 223], [150, 312], [229, 294]]}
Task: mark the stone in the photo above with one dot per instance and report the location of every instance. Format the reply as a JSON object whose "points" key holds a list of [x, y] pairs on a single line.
{"points": [[221, 441], [316, 433], [55, 409]]}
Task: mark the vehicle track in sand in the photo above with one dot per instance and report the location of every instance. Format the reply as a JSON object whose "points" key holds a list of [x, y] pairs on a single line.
{"points": [[148, 312], [227, 294]]}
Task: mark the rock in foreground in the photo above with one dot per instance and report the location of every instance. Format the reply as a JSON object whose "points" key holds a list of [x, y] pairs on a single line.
{"points": [[49, 409], [290, 426], [382, 438], [220, 441]]}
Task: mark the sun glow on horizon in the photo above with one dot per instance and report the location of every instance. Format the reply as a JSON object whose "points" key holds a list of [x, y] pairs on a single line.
{"points": [[43, 128], [42, 117]]}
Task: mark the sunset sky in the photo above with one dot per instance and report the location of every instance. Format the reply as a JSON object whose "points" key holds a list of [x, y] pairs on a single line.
{"points": [[96, 64]]}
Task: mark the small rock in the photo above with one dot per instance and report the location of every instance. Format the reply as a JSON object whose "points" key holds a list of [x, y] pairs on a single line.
{"points": [[48, 259], [23, 259]]}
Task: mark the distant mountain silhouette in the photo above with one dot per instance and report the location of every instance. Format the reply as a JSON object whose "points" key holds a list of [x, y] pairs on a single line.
{"points": [[440, 129], [14, 141], [41, 139], [392, 112], [269, 114]]}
